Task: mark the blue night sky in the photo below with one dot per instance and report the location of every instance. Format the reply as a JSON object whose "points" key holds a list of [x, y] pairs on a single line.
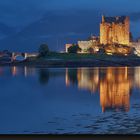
{"points": [[20, 14]]}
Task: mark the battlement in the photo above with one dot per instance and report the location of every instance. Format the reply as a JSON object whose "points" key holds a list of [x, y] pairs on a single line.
{"points": [[116, 20]]}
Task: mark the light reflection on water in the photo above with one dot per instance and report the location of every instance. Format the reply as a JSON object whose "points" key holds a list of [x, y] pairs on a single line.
{"points": [[114, 86]]}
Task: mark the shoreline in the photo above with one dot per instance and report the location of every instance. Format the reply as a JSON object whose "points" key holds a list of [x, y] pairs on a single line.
{"points": [[76, 63]]}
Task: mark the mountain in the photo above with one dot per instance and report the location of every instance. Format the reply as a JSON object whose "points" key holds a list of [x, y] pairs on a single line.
{"points": [[56, 29]]}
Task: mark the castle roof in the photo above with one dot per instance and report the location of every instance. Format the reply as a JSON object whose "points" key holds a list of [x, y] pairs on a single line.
{"points": [[117, 19]]}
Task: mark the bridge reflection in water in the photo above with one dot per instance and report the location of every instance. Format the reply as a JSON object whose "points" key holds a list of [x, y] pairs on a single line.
{"points": [[25, 71], [114, 84]]}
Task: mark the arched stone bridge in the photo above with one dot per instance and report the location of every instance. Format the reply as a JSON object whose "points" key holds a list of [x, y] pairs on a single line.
{"points": [[24, 55]]}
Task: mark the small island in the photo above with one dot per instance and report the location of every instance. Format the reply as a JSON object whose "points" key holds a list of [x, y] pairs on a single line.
{"points": [[114, 47]]}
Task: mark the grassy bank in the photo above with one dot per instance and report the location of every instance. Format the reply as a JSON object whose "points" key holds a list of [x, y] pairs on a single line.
{"points": [[79, 60], [66, 56]]}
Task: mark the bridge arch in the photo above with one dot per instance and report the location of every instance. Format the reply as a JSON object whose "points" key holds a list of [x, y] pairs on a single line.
{"points": [[24, 55], [15, 55]]}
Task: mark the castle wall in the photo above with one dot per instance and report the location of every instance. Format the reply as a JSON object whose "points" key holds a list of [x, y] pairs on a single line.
{"points": [[115, 32], [136, 45], [85, 45], [67, 46]]}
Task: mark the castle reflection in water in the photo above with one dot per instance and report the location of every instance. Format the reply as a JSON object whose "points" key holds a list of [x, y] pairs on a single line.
{"points": [[114, 84]]}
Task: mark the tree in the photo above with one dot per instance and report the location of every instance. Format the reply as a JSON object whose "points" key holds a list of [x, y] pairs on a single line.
{"points": [[43, 50], [74, 49]]}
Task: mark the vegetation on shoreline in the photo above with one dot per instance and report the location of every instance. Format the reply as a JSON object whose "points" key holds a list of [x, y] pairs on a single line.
{"points": [[67, 56], [55, 59], [45, 54]]}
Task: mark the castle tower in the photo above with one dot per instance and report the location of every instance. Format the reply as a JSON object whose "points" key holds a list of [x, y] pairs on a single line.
{"points": [[115, 30]]}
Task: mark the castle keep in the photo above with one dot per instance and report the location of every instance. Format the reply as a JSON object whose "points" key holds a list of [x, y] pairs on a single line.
{"points": [[115, 30]]}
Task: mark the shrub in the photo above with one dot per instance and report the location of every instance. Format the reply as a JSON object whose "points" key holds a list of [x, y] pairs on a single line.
{"points": [[74, 49]]}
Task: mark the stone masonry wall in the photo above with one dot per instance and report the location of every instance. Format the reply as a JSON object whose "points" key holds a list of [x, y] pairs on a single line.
{"points": [[115, 32]]}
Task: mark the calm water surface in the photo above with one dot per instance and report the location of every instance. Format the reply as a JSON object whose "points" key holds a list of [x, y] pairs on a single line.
{"points": [[70, 101]]}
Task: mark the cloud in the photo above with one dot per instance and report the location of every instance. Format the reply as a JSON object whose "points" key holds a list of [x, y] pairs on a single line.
{"points": [[23, 12]]}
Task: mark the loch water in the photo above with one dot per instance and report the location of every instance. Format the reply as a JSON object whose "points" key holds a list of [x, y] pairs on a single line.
{"points": [[98, 100]]}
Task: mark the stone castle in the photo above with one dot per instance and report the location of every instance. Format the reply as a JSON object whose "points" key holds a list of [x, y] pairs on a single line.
{"points": [[115, 30], [115, 38]]}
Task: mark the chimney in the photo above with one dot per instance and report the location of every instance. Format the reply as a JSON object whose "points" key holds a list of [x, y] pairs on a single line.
{"points": [[103, 19]]}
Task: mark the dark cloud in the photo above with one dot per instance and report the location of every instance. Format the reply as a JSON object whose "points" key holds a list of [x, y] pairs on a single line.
{"points": [[22, 12], [64, 20]]}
